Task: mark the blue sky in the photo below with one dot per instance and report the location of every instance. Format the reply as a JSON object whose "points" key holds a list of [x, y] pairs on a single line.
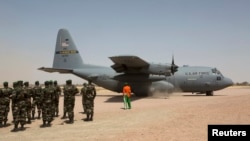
{"points": [[213, 33]]}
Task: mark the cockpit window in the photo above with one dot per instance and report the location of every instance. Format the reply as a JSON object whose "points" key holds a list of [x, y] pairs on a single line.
{"points": [[217, 72], [214, 70]]}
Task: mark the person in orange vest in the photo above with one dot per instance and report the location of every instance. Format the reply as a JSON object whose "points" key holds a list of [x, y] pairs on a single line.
{"points": [[126, 96]]}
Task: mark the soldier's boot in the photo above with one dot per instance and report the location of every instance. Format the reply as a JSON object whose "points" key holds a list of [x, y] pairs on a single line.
{"points": [[87, 119], [39, 115], [72, 119], [91, 117], [44, 123], [64, 115], [49, 123], [22, 126], [29, 121], [15, 128]]}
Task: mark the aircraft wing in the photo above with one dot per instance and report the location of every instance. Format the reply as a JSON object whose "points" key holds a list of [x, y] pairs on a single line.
{"points": [[55, 70], [128, 64]]}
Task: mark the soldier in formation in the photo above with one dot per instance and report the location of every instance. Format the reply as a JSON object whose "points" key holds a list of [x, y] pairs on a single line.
{"points": [[47, 100], [5, 94], [51, 86], [83, 93], [28, 94], [19, 106], [70, 91], [57, 97], [90, 96], [25, 100], [15, 85], [36, 103]]}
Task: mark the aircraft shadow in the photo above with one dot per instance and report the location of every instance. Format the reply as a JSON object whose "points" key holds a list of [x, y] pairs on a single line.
{"points": [[20, 129], [119, 98], [198, 95]]}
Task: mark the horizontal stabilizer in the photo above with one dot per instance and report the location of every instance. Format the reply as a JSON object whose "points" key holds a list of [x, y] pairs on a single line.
{"points": [[55, 70]]}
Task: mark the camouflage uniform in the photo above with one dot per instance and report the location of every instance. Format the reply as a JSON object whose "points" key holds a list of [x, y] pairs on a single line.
{"points": [[90, 96], [19, 102], [36, 103], [53, 98], [57, 97], [5, 94], [83, 93], [64, 107], [46, 99], [28, 94], [15, 85], [69, 95]]}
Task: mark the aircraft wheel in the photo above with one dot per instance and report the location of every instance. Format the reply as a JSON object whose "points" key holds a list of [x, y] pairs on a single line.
{"points": [[209, 93]]}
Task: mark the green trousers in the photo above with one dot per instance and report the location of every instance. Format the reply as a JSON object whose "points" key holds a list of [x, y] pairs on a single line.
{"points": [[127, 102]]}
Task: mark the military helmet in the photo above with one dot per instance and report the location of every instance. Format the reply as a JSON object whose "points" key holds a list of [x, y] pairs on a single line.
{"points": [[50, 82], [69, 81], [46, 83], [20, 83], [15, 84], [5, 83], [26, 83], [37, 82]]}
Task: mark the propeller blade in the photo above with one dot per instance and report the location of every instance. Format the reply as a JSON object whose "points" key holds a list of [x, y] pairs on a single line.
{"points": [[174, 67]]}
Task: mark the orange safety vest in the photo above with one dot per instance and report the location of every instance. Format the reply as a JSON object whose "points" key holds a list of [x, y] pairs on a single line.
{"points": [[127, 91]]}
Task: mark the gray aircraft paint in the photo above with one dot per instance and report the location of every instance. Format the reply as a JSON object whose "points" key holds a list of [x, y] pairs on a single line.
{"points": [[142, 76], [65, 46], [199, 79]]}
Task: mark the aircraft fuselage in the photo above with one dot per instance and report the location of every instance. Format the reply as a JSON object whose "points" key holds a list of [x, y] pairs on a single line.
{"points": [[193, 79]]}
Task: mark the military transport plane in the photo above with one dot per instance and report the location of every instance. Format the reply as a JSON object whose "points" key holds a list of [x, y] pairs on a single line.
{"points": [[143, 77]]}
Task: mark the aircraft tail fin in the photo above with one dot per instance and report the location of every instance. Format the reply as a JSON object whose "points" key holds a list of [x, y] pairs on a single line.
{"points": [[66, 54]]}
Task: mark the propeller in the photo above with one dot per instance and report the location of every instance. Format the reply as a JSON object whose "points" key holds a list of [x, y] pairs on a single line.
{"points": [[174, 67]]}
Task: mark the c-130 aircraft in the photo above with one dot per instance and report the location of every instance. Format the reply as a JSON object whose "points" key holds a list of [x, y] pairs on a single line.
{"points": [[143, 77]]}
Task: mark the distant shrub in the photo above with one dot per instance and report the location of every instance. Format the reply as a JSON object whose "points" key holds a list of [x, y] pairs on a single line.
{"points": [[242, 84]]}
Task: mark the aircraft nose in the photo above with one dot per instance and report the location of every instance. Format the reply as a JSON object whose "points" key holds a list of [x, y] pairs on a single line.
{"points": [[228, 82]]}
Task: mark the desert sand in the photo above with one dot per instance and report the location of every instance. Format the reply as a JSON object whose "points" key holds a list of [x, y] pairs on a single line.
{"points": [[175, 117]]}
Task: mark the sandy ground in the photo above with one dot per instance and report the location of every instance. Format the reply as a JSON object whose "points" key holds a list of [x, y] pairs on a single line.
{"points": [[175, 117]]}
